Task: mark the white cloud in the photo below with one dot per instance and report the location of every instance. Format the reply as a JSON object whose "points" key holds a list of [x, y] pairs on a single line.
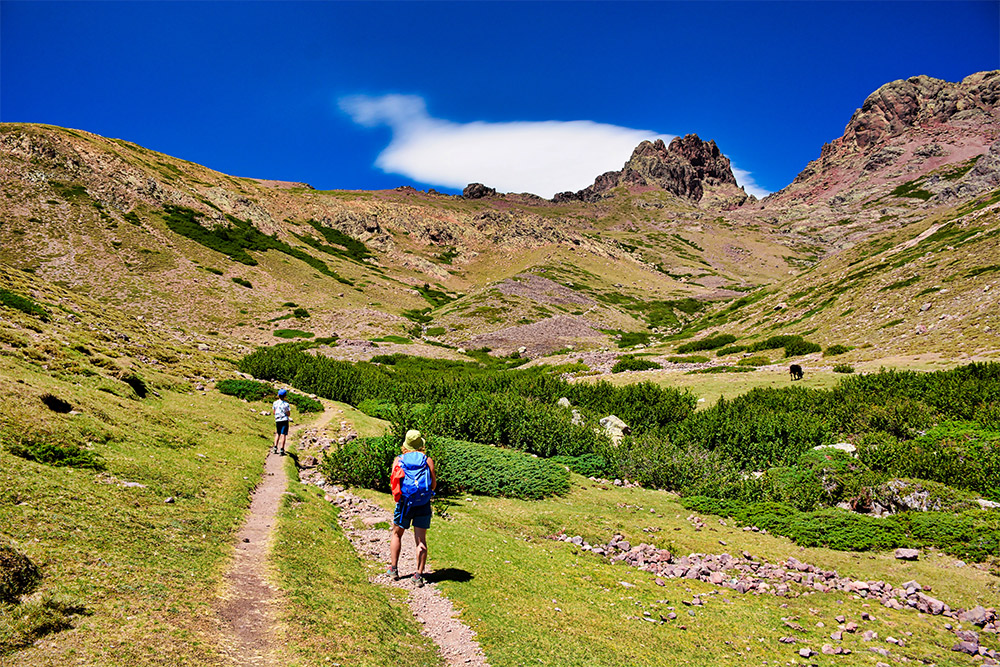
{"points": [[744, 178], [543, 157]]}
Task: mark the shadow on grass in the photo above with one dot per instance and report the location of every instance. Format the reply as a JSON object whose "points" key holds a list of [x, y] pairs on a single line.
{"points": [[450, 574]]}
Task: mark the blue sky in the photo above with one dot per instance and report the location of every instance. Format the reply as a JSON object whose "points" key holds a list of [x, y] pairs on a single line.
{"points": [[520, 95]]}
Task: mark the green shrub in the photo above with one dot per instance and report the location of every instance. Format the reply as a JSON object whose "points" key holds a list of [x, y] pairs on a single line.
{"points": [[843, 368], [248, 390], [466, 467], [960, 454], [731, 349], [300, 313], [24, 304], [48, 450], [654, 461], [588, 465], [973, 535], [690, 359], [796, 348], [303, 403], [242, 282], [292, 333], [834, 350], [630, 338], [461, 467], [754, 361], [710, 343], [631, 363], [772, 343]]}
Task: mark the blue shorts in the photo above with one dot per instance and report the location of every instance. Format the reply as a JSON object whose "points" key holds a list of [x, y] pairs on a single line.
{"points": [[281, 427], [420, 515]]}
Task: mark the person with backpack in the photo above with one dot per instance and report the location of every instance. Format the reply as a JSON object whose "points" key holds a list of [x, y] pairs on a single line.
{"points": [[413, 481]]}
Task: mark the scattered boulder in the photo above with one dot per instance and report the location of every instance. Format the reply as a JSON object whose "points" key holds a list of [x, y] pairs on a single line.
{"points": [[907, 554], [18, 575], [615, 428], [564, 403]]}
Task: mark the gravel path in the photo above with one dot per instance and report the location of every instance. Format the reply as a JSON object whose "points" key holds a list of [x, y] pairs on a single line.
{"points": [[432, 610]]}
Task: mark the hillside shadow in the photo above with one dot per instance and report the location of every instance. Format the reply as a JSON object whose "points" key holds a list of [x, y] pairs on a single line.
{"points": [[450, 574]]}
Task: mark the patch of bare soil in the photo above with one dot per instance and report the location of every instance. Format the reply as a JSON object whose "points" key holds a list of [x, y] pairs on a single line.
{"points": [[543, 290], [247, 605], [432, 609], [540, 337]]}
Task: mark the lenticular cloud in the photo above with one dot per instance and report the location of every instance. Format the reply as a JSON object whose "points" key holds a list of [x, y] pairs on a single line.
{"points": [[543, 157], [539, 157]]}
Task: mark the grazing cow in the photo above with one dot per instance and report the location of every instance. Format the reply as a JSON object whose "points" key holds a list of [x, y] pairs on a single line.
{"points": [[795, 371]]}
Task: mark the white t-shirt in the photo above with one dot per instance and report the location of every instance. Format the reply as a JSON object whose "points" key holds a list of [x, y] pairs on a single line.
{"points": [[282, 410]]}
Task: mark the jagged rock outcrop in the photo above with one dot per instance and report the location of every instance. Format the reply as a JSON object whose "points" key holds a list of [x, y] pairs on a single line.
{"points": [[478, 191], [686, 167]]}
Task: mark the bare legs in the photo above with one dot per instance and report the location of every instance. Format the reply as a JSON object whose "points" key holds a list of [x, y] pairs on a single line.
{"points": [[420, 537], [279, 438], [396, 543]]}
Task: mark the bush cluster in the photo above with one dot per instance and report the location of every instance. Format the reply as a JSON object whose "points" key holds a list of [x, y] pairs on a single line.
{"points": [[461, 467], [251, 390], [632, 363], [710, 343], [49, 450], [588, 465], [412, 380], [24, 304], [974, 535]]}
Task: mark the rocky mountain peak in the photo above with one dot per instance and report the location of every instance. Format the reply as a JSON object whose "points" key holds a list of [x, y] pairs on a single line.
{"points": [[921, 100], [685, 167]]}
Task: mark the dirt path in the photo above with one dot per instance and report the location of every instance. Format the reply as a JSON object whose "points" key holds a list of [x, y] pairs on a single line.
{"points": [[247, 606], [358, 518]]}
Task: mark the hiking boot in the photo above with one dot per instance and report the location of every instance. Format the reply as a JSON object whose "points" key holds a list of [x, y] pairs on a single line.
{"points": [[418, 579], [393, 573], [282, 452], [274, 450]]}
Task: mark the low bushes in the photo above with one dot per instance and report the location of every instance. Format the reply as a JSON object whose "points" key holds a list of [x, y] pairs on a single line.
{"points": [[251, 390], [710, 343], [631, 363], [731, 349], [973, 535], [834, 350], [248, 390], [461, 467], [49, 450], [24, 304], [843, 368], [960, 454], [588, 465]]}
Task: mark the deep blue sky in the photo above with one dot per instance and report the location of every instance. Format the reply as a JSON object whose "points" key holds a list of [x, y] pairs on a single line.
{"points": [[251, 89]]}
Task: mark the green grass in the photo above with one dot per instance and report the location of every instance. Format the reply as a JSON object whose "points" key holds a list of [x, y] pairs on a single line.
{"points": [[535, 601], [131, 570], [391, 338]]}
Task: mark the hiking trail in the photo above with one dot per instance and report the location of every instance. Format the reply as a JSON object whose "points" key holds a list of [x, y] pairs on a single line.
{"points": [[248, 604]]}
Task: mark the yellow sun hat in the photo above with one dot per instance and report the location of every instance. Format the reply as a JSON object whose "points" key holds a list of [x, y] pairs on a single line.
{"points": [[414, 442]]}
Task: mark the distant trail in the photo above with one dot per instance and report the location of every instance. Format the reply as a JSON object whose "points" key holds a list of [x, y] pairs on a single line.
{"points": [[247, 606]]}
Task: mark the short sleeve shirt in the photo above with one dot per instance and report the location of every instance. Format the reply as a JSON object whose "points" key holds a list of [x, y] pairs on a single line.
{"points": [[282, 410]]}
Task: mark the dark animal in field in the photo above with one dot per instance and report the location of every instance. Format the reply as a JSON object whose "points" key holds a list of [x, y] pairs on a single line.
{"points": [[795, 371]]}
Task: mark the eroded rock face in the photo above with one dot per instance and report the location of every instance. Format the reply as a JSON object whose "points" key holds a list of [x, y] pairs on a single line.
{"points": [[686, 167], [900, 105]]}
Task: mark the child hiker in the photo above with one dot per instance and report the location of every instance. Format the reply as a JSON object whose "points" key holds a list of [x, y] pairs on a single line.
{"points": [[282, 415], [413, 481]]}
